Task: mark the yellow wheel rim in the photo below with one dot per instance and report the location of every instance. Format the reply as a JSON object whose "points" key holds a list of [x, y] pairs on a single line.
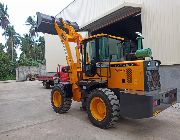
{"points": [[57, 99], [98, 108]]}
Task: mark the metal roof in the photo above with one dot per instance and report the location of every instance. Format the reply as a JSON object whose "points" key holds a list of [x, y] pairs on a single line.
{"points": [[113, 17]]}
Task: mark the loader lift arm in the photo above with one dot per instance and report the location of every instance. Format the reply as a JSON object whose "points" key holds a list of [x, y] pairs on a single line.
{"points": [[73, 36], [67, 33]]}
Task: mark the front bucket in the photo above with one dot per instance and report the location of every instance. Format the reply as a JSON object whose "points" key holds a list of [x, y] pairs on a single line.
{"points": [[45, 24]]}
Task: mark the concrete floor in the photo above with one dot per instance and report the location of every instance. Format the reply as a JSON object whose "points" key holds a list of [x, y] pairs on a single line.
{"points": [[26, 113]]}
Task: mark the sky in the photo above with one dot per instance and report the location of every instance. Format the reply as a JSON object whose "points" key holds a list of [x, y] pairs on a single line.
{"points": [[19, 10]]}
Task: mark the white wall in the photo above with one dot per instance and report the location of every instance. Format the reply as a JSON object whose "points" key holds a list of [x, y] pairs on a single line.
{"points": [[54, 52]]}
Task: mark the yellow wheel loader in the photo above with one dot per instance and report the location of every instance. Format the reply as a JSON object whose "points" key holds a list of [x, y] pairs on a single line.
{"points": [[107, 79]]}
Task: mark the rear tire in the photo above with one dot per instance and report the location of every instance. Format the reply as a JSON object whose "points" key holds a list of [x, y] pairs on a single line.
{"points": [[104, 118], [62, 104]]}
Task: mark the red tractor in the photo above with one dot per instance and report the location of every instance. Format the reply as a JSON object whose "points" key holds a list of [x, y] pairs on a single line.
{"points": [[50, 78]]}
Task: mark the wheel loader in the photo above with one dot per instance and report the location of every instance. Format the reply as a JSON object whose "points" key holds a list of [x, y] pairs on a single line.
{"points": [[107, 78]]}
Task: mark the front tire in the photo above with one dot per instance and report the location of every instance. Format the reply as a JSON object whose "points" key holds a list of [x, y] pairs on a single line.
{"points": [[103, 108], [60, 103]]}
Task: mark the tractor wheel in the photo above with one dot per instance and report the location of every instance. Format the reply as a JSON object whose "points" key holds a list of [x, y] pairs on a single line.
{"points": [[46, 85], [103, 108], [59, 101]]}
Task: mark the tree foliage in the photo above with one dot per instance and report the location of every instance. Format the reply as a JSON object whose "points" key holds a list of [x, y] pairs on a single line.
{"points": [[7, 70], [30, 21], [2, 47], [31, 45], [12, 41], [32, 52], [4, 21]]}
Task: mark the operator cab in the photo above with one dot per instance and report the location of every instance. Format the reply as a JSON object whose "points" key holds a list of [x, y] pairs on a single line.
{"points": [[102, 49]]}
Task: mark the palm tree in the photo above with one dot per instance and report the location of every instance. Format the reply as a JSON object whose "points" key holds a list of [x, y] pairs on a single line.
{"points": [[32, 46], [3, 16], [27, 46], [41, 48], [32, 23], [13, 40]]}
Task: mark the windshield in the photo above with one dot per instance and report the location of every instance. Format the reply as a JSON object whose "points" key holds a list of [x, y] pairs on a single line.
{"points": [[102, 48], [90, 51], [110, 47]]}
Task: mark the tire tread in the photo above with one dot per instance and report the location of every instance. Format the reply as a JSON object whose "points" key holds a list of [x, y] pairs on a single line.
{"points": [[114, 107], [66, 103]]}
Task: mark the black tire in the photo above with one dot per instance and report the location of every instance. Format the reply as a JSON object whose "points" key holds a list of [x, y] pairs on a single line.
{"points": [[46, 85], [65, 102], [112, 106]]}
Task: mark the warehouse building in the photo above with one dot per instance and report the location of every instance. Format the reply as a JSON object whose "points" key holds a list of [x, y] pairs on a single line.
{"points": [[157, 20]]}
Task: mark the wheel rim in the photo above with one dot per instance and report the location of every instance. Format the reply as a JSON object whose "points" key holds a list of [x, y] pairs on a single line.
{"points": [[57, 99], [98, 108]]}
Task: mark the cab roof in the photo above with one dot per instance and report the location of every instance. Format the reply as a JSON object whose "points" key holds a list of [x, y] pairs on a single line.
{"points": [[102, 35]]}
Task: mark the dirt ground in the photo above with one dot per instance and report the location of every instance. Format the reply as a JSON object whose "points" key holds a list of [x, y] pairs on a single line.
{"points": [[26, 113]]}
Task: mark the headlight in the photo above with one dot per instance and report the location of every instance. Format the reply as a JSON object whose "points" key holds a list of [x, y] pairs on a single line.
{"points": [[149, 64]]}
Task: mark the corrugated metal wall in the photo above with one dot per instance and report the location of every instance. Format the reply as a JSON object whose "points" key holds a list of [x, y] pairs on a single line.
{"points": [[160, 23], [161, 29]]}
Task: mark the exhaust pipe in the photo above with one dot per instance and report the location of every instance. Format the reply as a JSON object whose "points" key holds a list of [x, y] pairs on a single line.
{"points": [[45, 24]]}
